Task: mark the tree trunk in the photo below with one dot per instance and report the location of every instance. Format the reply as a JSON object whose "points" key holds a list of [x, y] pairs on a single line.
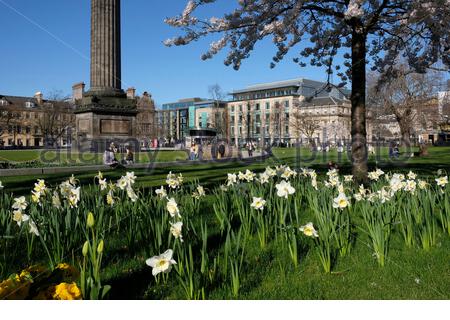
{"points": [[406, 141], [358, 98]]}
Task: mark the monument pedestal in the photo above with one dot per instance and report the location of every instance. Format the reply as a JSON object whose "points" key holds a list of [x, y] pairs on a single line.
{"points": [[103, 120]]}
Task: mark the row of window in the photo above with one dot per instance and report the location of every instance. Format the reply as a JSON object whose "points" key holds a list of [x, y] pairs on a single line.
{"points": [[19, 129], [20, 143], [257, 106], [257, 118], [264, 94], [257, 130]]}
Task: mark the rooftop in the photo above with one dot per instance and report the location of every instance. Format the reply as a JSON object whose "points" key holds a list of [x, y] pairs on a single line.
{"points": [[298, 82]]}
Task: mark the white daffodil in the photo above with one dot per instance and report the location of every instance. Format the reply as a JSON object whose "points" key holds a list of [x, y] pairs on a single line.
{"points": [[19, 217], [309, 231], [422, 184], [20, 203], [258, 203], [103, 184], [130, 177], [33, 228], [161, 193], [172, 208], [348, 178], [56, 201], [1, 186], [410, 186], [223, 188], [241, 176], [201, 191], [232, 179], [341, 201], [396, 183], [173, 181], [332, 173], [264, 178], [35, 196], [442, 181], [131, 194], [74, 197], [284, 189], [411, 175], [314, 183], [40, 187], [288, 173], [72, 180], [384, 195], [162, 263], [341, 188], [176, 229], [65, 188], [122, 183], [270, 172], [249, 176], [110, 198]]}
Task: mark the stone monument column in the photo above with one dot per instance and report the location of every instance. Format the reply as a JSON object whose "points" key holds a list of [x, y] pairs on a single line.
{"points": [[105, 114], [105, 47]]}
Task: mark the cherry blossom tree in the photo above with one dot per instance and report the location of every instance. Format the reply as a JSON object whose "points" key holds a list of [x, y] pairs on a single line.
{"points": [[376, 31]]}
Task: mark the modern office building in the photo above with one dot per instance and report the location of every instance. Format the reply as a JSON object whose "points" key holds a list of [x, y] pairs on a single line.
{"points": [[288, 111], [176, 118]]}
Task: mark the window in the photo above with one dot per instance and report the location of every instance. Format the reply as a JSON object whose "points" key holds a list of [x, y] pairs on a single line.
{"points": [[233, 118], [248, 107], [257, 107], [286, 104], [10, 142], [240, 108], [29, 104], [267, 105], [258, 118], [232, 109], [28, 129]]}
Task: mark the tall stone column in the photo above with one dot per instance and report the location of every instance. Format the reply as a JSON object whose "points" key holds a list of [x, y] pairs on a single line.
{"points": [[105, 114], [105, 48]]}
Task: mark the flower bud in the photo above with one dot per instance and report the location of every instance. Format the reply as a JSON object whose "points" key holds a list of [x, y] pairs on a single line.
{"points": [[100, 247], [90, 220], [85, 248]]}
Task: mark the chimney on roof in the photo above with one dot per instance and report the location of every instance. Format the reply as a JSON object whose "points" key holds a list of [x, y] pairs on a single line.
{"points": [[78, 91], [131, 93], [39, 97]]}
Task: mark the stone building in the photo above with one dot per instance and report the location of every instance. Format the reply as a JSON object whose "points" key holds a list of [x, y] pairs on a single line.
{"points": [[290, 111], [35, 122], [426, 123]]}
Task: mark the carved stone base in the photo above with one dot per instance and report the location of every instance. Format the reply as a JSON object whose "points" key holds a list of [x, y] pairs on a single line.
{"points": [[100, 121]]}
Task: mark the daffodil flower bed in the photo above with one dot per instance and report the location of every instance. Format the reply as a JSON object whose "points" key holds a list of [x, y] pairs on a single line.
{"points": [[302, 214]]}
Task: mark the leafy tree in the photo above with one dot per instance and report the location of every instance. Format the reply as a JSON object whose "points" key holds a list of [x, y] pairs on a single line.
{"points": [[354, 29]]}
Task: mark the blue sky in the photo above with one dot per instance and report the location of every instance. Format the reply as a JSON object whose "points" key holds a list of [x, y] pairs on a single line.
{"points": [[44, 47]]}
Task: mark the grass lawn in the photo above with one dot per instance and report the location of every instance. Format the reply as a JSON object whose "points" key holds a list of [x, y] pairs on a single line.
{"points": [[268, 273], [62, 158]]}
